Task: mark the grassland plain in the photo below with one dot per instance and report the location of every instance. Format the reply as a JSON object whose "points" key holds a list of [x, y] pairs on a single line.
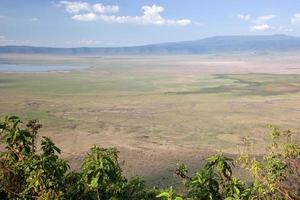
{"points": [[157, 109]]}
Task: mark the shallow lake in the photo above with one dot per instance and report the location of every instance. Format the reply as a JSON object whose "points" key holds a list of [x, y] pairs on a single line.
{"points": [[4, 67]]}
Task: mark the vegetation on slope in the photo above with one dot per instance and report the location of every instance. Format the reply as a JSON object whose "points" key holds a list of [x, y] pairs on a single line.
{"points": [[29, 172]]}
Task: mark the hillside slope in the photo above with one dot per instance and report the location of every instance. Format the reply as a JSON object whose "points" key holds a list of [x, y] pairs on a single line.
{"points": [[213, 45]]}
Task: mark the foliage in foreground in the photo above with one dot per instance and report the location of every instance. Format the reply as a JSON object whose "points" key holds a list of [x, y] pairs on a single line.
{"points": [[28, 172]]}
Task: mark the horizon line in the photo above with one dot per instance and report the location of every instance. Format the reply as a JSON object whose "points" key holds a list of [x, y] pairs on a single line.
{"points": [[149, 44]]}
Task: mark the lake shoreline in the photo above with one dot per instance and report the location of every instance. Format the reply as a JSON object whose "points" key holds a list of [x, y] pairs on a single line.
{"points": [[38, 68]]}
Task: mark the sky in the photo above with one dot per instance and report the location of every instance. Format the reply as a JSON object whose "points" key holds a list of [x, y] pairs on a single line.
{"points": [[103, 23]]}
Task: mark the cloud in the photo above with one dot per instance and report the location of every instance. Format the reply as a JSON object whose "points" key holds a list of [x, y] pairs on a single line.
{"points": [[34, 19], [263, 19], [85, 17], [5, 40], [83, 11], [260, 27], [100, 8], [8, 41], [87, 42], [151, 15], [244, 17], [75, 6], [283, 29], [260, 23], [296, 18]]}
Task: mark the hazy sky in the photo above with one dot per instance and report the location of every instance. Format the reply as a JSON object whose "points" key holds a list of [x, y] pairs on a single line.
{"points": [[134, 22]]}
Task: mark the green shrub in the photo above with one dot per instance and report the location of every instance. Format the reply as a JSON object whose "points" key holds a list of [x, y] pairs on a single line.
{"points": [[275, 176], [27, 172]]}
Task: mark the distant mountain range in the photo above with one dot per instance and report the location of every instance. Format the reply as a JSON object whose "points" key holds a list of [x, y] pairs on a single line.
{"points": [[212, 45]]}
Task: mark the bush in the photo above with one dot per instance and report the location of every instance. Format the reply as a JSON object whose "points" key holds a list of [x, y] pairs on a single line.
{"points": [[27, 174], [275, 176], [30, 173]]}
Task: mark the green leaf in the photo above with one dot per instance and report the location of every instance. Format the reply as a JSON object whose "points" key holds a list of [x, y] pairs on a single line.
{"points": [[94, 182]]}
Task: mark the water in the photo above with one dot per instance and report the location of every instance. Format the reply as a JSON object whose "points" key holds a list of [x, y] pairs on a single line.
{"points": [[29, 68]]}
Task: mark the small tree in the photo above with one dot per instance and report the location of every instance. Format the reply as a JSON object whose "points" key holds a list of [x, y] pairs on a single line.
{"points": [[275, 176], [102, 173], [24, 173], [27, 174]]}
